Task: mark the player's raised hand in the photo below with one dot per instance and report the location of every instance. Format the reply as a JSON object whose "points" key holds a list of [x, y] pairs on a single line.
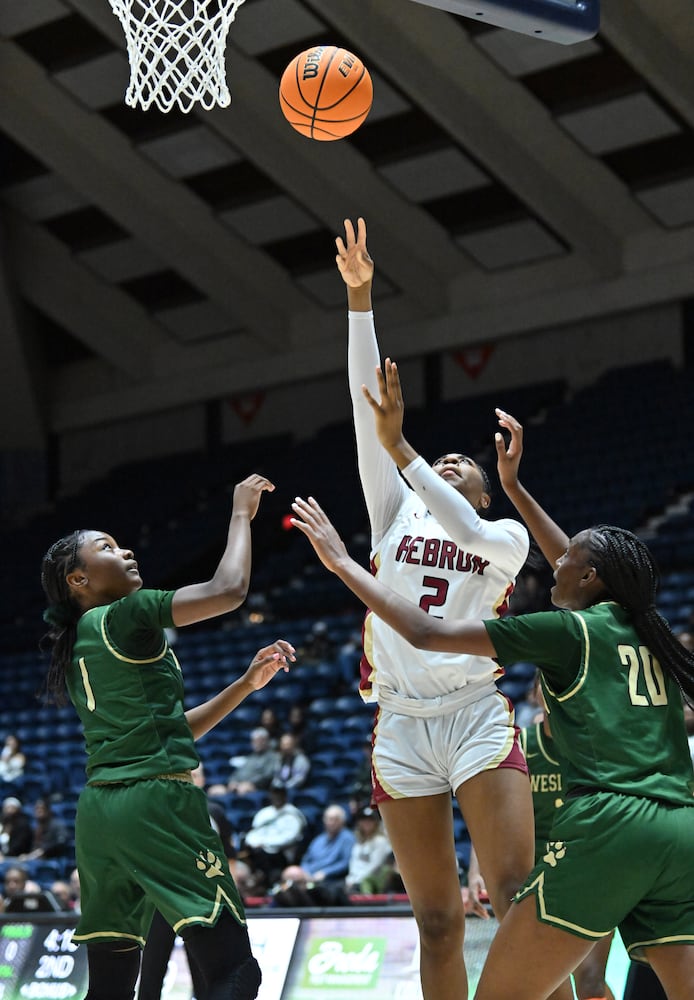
{"points": [[247, 494], [353, 260], [268, 661], [389, 410], [508, 457], [321, 533]]}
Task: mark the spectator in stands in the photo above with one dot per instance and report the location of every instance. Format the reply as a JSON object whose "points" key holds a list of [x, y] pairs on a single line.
{"points": [[276, 833], [62, 895], [269, 720], [16, 882], [327, 856], [360, 788], [318, 647], [370, 865], [297, 723], [293, 765], [50, 835], [258, 768], [15, 829], [12, 759]]}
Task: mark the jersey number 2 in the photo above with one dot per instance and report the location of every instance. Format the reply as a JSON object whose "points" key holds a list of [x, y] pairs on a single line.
{"points": [[642, 664], [438, 598]]}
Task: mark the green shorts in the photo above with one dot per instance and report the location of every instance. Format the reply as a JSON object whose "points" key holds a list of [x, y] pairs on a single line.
{"points": [[618, 861], [149, 845]]}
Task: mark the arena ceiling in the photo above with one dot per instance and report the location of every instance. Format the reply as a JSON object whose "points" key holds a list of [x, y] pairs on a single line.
{"points": [[154, 260]]}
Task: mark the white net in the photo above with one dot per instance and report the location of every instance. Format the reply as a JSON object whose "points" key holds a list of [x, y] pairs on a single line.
{"points": [[176, 51]]}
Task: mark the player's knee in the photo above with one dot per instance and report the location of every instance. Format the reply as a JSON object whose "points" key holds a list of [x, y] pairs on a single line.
{"points": [[502, 890], [242, 983], [248, 980], [441, 929]]}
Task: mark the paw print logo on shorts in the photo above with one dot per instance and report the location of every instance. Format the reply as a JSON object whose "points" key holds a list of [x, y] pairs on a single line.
{"points": [[209, 863], [555, 852]]}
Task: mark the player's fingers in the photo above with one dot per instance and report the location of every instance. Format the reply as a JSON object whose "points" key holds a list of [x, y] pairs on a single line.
{"points": [[349, 232], [286, 648], [506, 420], [369, 399], [381, 378], [302, 507], [394, 385]]}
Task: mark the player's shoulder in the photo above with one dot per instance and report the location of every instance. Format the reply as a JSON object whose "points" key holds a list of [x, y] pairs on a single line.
{"points": [[515, 528]]}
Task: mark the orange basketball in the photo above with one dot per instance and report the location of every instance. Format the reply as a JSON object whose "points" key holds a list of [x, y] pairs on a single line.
{"points": [[326, 92]]}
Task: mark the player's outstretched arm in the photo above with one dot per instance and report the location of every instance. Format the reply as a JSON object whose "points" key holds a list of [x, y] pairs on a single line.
{"points": [[228, 586], [415, 625], [355, 265], [389, 412], [549, 536], [266, 663]]}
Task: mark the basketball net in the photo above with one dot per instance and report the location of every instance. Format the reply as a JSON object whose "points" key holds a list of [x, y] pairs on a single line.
{"points": [[176, 51]]}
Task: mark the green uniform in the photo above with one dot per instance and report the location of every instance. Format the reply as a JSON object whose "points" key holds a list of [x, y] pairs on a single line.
{"points": [[545, 781], [143, 831], [622, 849]]}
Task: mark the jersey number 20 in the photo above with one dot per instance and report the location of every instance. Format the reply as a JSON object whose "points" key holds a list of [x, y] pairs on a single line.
{"points": [[646, 681]]}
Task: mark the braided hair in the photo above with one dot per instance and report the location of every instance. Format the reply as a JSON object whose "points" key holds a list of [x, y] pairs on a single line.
{"points": [[626, 567], [63, 611]]}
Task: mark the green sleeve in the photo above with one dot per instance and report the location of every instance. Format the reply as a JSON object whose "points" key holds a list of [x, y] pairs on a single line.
{"points": [[136, 623], [550, 639]]}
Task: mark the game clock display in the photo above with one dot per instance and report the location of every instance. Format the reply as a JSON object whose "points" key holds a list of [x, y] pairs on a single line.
{"points": [[38, 961]]}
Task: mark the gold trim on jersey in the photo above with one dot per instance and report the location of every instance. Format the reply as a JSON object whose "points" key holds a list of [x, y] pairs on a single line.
{"points": [[668, 939], [583, 673], [117, 935], [537, 887], [212, 919], [542, 744], [129, 659], [91, 702]]}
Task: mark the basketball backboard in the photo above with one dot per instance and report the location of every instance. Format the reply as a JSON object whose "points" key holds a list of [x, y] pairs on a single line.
{"points": [[562, 21]]}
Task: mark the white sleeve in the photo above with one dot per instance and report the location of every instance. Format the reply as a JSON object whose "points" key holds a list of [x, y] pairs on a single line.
{"points": [[384, 490], [505, 541]]}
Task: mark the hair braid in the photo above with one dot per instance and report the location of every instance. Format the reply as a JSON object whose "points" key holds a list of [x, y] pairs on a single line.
{"points": [[62, 613], [626, 567]]}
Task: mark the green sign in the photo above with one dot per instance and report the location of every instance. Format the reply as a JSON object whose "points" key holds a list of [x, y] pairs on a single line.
{"points": [[343, 962]]}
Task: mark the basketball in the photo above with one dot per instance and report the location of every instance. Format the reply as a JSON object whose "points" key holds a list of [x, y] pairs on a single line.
{"points": [[326, 92]]}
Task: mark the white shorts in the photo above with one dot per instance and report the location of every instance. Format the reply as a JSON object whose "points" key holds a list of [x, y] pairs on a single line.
{"points": [[414, 756]]}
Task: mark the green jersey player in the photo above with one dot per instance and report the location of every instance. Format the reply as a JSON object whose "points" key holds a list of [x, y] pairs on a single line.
{"points": [[143, 834]]}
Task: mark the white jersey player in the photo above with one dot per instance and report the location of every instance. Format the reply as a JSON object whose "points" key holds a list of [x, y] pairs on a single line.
{"points": [[442, 726]]}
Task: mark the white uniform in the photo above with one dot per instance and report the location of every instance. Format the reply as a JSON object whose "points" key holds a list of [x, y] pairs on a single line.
{"points": [[430, 545]]}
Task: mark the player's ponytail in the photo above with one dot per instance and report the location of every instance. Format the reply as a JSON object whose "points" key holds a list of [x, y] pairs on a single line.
{"points": [[626, 567], [62, 613]]}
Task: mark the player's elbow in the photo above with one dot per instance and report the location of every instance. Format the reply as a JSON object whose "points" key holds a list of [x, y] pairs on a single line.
{"points": [[232, 592], [418, 635]]}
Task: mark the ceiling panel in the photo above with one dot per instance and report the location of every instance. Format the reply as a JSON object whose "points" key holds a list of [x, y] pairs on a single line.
{"points": [[493, 167]]}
